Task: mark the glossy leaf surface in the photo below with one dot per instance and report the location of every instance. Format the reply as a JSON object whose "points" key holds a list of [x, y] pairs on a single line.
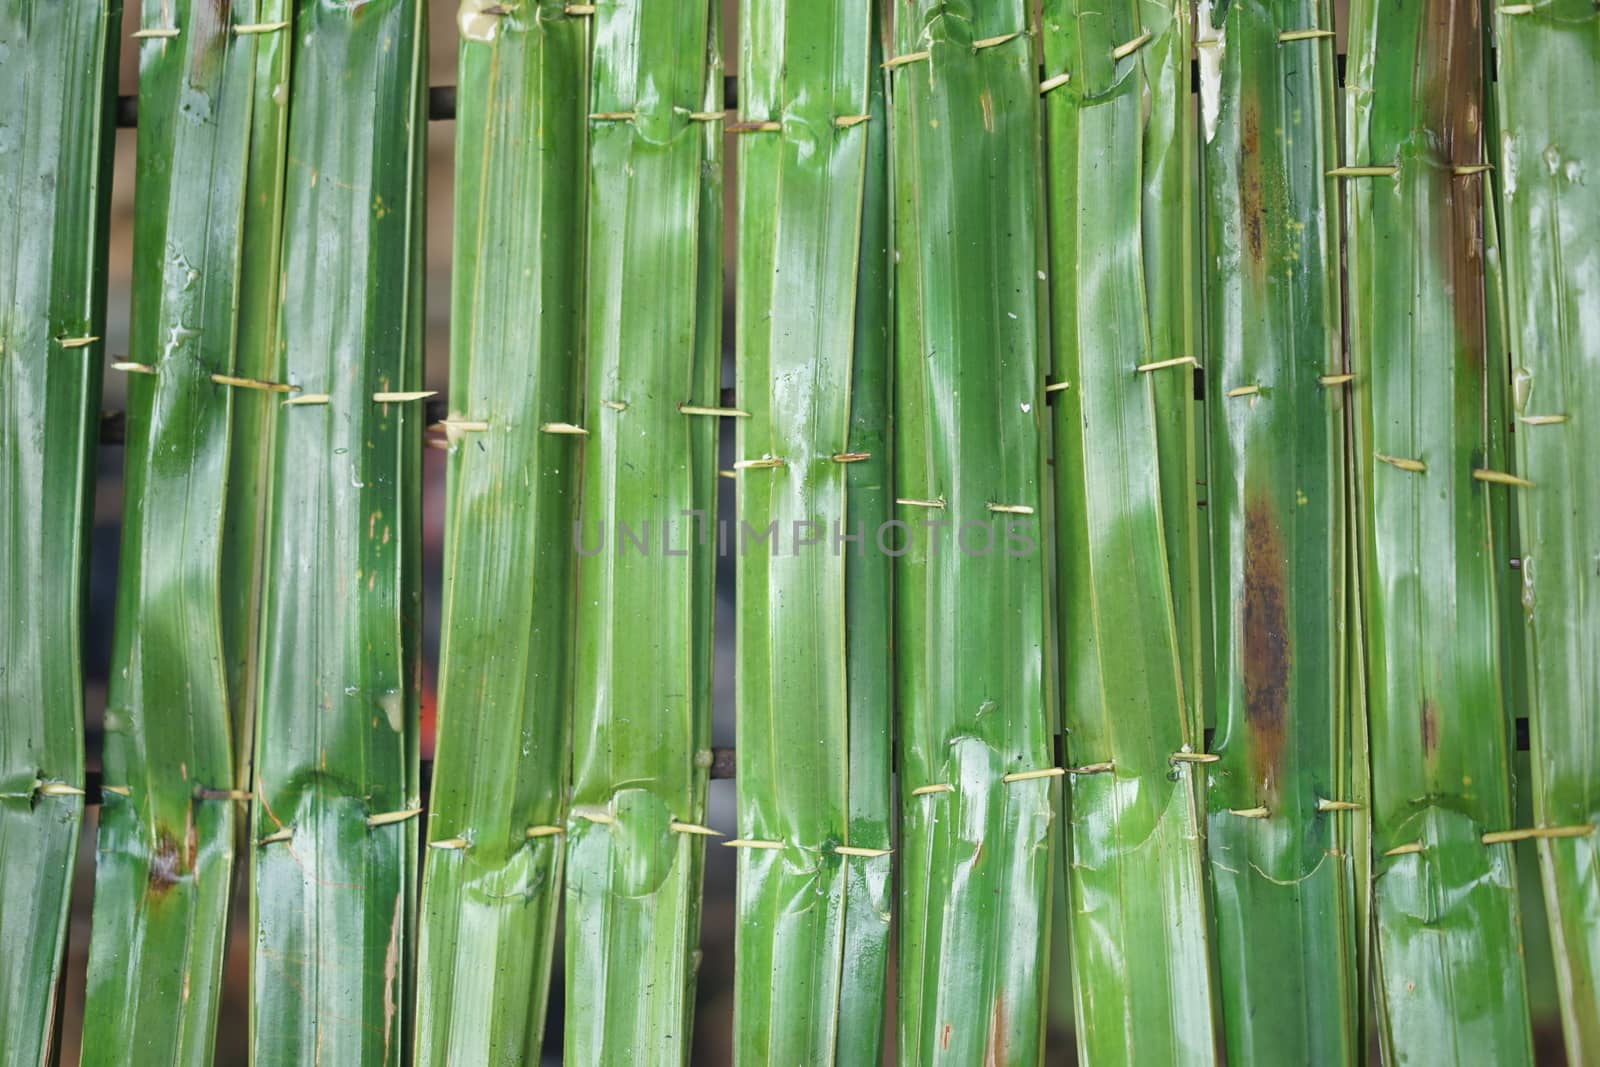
{"points": [[1135, 861], [1281, 865], [641, 729], [494, 866], [164, 860], [971, 630], [335, 826], [58, 75], [1549, 71]]}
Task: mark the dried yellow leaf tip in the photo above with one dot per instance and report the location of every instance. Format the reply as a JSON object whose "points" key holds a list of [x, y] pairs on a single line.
{"points": [[1483, 474], [1500, 837], [1414, 466]]}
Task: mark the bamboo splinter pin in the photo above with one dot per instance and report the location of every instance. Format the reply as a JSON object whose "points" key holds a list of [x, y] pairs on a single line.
{"points": [[1028, 776], [693, 828], [545, 831], [743, 843], [388, 818]]}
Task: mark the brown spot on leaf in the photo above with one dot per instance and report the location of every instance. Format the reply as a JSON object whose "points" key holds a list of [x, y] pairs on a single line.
{"points": [[166, 863], [1267, 652], [1452, 103], [1251, 208], [1430, 727], [995, 1054]]}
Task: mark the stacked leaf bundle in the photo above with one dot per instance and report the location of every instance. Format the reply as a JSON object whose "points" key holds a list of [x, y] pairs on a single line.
{"points": [[641, 729], [1350, 579], [978, 782], [812, 673], [336, 791], [1449, 973], [1116, 101], [58, 77], [1284, 797], [498, 804], [167, 829], [1549, 55]]}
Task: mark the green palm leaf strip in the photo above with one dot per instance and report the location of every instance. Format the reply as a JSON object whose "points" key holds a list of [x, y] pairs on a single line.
{"points": [[165, 855], [641, 730], [498, 803], [869, 504], [58, 76], [336, 737], [806, 77], [255, 358], [978, 785], [1449, 946], [1550, 224], [1280, 859], [1135, 862]]}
